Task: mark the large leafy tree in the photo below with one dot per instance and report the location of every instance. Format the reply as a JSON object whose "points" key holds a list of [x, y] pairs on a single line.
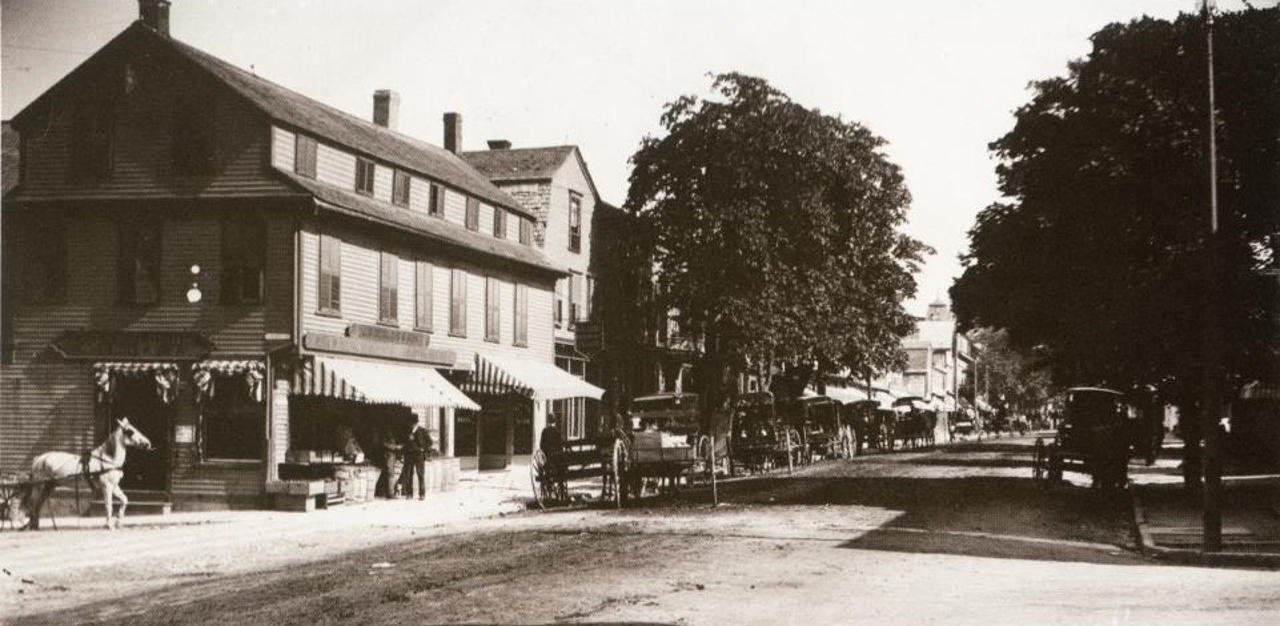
{"points": [[1099, 257], [776, 231], [1012, 378]]}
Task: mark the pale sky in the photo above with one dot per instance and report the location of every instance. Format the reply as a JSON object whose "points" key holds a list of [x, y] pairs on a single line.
{"points": [[938, 79]]}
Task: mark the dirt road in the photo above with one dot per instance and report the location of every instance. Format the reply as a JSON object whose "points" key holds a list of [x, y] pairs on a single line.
{"points": [[957, 536]]}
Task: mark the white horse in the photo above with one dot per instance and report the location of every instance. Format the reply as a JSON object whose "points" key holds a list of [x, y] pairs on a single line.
{"points": [[102, 467]]}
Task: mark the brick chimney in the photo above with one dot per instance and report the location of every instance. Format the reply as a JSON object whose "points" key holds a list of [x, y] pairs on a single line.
{"points": [[155, 13], [386, 108], [499, 144], [453, 132]]}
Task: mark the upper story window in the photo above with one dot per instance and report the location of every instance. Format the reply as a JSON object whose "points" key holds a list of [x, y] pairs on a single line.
{"points": [[304, 156], [244, 251], [473, 214], [44, 261], [93, 133], [194, 137], [329, 291], [388, 289], [562, 285], [526, 231], [401, 183], [492, 309], [499, 223], [521, 333], [424, 283], [575, 222], [458, 303], [436, 206], [139, 261], [365, 170]]}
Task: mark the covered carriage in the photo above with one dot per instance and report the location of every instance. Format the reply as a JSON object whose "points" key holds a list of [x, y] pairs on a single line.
{"points": [[1100, 430], [759, 440]]}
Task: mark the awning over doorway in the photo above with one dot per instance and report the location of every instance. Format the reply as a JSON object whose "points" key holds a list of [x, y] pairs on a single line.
{"points": [[535, 379], [416, 386]]}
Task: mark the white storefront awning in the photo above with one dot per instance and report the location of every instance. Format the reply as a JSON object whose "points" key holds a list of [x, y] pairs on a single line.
{"points": [[846, 395], [416, 386], [536, 379]]}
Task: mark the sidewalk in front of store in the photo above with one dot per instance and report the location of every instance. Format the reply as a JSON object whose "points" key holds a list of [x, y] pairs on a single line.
{"points": [[1170, 519]]}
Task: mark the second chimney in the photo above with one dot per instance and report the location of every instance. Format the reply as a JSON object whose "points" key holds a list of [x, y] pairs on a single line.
{"points": [[453, 132], [386, 108], [499, 144], [155, 13]]}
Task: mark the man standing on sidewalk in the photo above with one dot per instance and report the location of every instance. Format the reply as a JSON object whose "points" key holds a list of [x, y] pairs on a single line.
{"points": [[416, 451]]}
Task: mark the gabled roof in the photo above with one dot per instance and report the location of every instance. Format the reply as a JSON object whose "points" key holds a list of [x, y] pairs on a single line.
{"points": [[519, 163], [350, 203], [326, 123]]}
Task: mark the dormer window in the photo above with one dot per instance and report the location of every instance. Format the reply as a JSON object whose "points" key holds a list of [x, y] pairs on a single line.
{"points": [[499, 223], [473, 214], [364, 176], [400, 185], [304, 156]]}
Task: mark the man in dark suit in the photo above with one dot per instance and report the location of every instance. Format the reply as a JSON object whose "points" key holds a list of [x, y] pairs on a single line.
{"points": [[416, 451]]}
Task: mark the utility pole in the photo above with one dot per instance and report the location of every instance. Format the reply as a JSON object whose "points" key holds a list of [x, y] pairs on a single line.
{"points": [[1211, 406]]}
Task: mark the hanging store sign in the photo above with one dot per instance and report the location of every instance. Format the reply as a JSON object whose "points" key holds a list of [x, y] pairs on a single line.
{"points": [[132, 344]]}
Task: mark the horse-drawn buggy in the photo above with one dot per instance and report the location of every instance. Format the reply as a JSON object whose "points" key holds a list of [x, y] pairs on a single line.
{"points": [[662, 445], [872, 424], [822, 432], [759, 440], [1099, 432], [915, 422]]}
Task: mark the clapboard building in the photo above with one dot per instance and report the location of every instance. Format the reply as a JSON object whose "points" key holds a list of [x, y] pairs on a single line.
{"points": [[245, 272]]}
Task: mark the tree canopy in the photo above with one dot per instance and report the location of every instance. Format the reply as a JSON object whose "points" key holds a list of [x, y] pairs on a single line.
{"points": [[776, 229], [1098, 256], [1010, 377]]}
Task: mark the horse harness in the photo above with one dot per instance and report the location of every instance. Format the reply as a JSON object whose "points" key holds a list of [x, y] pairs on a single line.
{"points": [[86, 458]]}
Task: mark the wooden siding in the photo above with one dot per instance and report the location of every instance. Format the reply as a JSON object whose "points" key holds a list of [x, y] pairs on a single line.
{"points": [[360, 296], [46, 403], [142, 142]]}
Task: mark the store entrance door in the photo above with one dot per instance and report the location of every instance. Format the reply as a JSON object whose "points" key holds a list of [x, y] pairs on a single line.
{"points": [[494, 424], [136, 399]]}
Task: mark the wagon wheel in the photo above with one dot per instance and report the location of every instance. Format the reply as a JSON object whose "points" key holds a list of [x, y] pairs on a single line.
{"points": [[1038, 460], [621, 459], [538, 479], [707, 451]]}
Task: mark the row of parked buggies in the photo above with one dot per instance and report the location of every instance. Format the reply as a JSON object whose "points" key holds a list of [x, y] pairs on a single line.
{"points": [[665, 442]]}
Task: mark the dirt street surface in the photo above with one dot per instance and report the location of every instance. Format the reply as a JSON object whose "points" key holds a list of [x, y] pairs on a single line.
{"points": [[954, 536]]}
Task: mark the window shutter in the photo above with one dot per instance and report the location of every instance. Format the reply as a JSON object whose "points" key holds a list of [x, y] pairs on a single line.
{"points": [[304, 156], [388, 291], [458, 303], [423, 296], [473, 213], [436, 206], [521, 334]]}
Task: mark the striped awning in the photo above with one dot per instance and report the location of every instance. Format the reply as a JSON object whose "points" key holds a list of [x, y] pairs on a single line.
{"points": [[535, 379], [135, 367], [415, 386]]}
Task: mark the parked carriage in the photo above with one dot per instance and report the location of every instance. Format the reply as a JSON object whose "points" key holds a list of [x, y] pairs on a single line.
{"points": [[822, 432], [871, 423], [555, 464], [915, 422], [668, 444], [759, 441], [1099, 432]]}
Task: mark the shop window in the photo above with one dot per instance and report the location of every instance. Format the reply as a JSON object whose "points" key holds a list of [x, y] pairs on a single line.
{"points": [[139, 261], [244, 249], [233, 421], [388, 289]]}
